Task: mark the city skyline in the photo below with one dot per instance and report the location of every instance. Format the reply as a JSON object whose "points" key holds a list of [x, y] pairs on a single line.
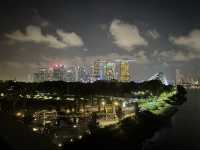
{"points": [[161, 36], [118, 69], [99, 74]]}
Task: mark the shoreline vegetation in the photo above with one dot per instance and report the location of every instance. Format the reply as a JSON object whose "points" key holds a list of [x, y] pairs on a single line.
{"points": [[154, 106], [134, 131]]}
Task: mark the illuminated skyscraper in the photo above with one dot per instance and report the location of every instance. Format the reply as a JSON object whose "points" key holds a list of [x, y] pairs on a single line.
{"points": [[81, 73], [89, 73], [41, 76], [59, 72], [76, 73], [109, 69], [124, 71], [69, 75], [99, 70]]}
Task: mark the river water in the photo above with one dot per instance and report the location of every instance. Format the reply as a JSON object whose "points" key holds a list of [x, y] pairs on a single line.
{"points": [[183, 131]]}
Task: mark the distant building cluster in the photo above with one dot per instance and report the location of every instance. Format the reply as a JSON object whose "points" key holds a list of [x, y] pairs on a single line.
{"points": [[100, 70], [186, 78]]}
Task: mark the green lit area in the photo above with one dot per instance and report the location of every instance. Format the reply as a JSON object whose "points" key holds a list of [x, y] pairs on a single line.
{"points": [[158, 105]]}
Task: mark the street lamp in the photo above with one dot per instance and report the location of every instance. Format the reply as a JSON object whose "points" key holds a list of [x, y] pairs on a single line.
{"points": [[116, 103], [104, 103], [124, 104], [114, 107]]}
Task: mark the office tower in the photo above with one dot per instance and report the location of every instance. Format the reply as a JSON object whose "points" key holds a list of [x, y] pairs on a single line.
{"points": [[109, 69], [59, 72], [80, 73], [83, 73], [124, 71], [41, 76], [99, 70], [69, 75]]}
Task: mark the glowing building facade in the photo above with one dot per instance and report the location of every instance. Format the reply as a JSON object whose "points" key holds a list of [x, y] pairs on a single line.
{"points": [[124, 71], [99, 70], [59, 72], [109, 69]]}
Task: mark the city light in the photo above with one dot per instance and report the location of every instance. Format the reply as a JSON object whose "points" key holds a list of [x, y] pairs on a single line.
{"points": [[116, 103], [124, 104], [68, 111], [57, 98], [18, 114], [35, 129], [103, 103], [80, 137], [100, 74], [100, 70], [71, 140]]}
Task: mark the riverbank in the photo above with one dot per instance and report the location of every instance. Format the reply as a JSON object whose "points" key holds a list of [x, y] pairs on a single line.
{"points": [[134, 130], [183, 129]]}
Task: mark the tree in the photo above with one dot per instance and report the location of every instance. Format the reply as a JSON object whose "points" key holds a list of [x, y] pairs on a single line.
{"points": [[93, 125], [119, 112]]}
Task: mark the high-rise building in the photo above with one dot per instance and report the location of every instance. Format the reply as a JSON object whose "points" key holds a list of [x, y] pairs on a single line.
{"points": [[69, 75], [79, 73], [42, 75], [76, 73], [59, 72], [101, 70], [90, 73], [99, 73], [109, 69], [84, 73], [124, 71]]}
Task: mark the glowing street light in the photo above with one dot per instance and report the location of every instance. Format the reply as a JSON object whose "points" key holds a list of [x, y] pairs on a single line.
{"points": [[57, 98], [35, 129], [124, 104], [116, 103], [68, 111], [2, 94], [18, 114], [71, 140], [80, 137], [114, 107], [103, 103]]}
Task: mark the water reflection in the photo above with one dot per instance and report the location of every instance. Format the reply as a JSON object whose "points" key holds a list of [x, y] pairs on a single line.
{"points": [[183, 130]]}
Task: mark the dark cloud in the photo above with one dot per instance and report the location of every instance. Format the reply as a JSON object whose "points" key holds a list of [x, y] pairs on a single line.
{"points": [[34, 34]]}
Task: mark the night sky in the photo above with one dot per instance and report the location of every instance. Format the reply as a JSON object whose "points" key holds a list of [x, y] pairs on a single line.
{"points": [[161, 35]]}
